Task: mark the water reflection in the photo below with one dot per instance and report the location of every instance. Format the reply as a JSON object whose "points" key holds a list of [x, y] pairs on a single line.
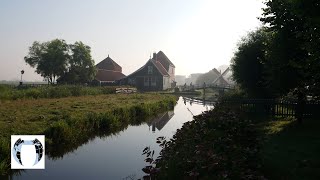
{"points": [[160, 121], [115, 155]]}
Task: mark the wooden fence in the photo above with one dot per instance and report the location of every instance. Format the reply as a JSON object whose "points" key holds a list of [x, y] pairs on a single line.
{"points": [[277, 108]]}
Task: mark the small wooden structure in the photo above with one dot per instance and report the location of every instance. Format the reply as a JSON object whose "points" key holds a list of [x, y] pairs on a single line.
{"points": [[126, 90]]}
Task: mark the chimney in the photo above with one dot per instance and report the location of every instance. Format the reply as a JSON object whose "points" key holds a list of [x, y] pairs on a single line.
{"points": [[154, 56]]}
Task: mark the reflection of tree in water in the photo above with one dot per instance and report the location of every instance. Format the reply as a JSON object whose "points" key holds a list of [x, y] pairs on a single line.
{"points": [[12, 172], [160, 121], [60, 147]]}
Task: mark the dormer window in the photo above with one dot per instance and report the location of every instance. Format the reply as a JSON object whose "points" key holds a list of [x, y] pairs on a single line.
{"points": [[150, 69]]}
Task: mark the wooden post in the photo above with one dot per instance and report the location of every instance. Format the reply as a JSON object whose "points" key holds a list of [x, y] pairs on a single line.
{"points": [[204, 89]]}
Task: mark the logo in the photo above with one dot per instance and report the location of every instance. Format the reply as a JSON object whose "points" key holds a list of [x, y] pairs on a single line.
{"points": [[27, 152]]}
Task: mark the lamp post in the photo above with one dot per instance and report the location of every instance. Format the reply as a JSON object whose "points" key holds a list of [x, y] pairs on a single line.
{"points": [[22, 72]]}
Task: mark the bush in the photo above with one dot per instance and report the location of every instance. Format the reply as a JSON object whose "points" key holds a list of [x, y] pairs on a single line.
{"points": [[218, 144]]}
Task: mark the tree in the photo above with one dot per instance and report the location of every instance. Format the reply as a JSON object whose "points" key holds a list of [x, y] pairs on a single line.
{"points": [[49, 58], [248, 64], [294, 54], [81, 65], [56, 59]]}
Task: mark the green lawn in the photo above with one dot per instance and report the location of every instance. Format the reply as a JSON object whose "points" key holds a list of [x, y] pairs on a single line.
{"points": [[292, 151]]}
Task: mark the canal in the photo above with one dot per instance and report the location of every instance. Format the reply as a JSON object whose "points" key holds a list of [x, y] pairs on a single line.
{"points": [[116, 156]]}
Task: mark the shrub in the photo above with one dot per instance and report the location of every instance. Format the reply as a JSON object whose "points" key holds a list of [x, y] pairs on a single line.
{"points": [[218, 144]]}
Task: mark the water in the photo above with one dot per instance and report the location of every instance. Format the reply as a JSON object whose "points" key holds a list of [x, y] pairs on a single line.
{"points": [[116, 156]]}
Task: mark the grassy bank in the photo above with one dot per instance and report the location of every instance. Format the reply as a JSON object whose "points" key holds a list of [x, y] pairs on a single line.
{"points": [[73, 120], [13, 93], [291, 150]]}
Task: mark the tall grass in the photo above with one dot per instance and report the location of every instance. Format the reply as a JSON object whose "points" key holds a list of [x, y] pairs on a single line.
{"points": [[4, 155], [72, 130], [14, 93]]}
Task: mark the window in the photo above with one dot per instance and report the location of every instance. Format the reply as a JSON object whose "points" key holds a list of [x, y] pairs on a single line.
{"points": [[131, 81], [146, 81], [153, 81], [150, 69]]}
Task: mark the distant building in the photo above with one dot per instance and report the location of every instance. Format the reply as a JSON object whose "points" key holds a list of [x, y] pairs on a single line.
{"points": [[193, 78], [180, 79], [156, 75], [108, 71]]}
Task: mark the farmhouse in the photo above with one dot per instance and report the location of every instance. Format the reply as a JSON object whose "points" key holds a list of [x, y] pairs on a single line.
{"points": [[108, 71], [156, 75]]}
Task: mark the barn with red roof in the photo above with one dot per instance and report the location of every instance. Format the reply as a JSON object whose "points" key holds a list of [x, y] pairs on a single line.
{"points": [[108, 71]]}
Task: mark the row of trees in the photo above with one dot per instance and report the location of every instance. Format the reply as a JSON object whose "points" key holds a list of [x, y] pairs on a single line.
{"points": [[66, 63], [284, 54]]}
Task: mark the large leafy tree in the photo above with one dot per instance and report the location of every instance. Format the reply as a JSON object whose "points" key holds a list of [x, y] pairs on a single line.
{"points": [[56, 59], [81, 65], [248, 63], [295, 51], [49, 58]]}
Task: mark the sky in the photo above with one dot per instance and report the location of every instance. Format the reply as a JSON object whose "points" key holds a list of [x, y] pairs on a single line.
{"points": [[196, 35]]}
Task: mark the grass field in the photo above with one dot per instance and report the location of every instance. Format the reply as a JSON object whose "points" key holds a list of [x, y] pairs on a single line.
{"points": [[8, 92], [74, 119], [291, 151]]}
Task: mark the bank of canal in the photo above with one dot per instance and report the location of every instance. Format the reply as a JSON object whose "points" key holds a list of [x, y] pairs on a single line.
{"points": [[116, 156]]}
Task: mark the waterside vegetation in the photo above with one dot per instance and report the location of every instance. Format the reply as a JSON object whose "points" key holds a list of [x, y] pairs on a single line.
{"points": [[218, 144], [73, 120]]}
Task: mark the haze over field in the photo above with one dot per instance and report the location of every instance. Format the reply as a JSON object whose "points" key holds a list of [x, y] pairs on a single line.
{"points": [[197, 35]]}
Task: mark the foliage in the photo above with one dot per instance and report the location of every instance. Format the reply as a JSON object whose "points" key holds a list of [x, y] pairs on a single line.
{"points": [[218, 144], [248, 64], [294, 52], [49, 58], [81, 65], [53, 59], [233, 95], [284, 54]]}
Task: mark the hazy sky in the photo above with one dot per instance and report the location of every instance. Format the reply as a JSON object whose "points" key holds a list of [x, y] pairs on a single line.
{"points": [[196, 35]]}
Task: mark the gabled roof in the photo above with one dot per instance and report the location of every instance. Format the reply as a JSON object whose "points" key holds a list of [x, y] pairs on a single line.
{"points": [[160, 68], [108, 76], [158, 65], [109, 64], [164, 60]]}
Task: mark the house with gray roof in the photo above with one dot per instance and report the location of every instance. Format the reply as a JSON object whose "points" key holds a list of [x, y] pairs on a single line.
{"points": [[156, 75]]}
